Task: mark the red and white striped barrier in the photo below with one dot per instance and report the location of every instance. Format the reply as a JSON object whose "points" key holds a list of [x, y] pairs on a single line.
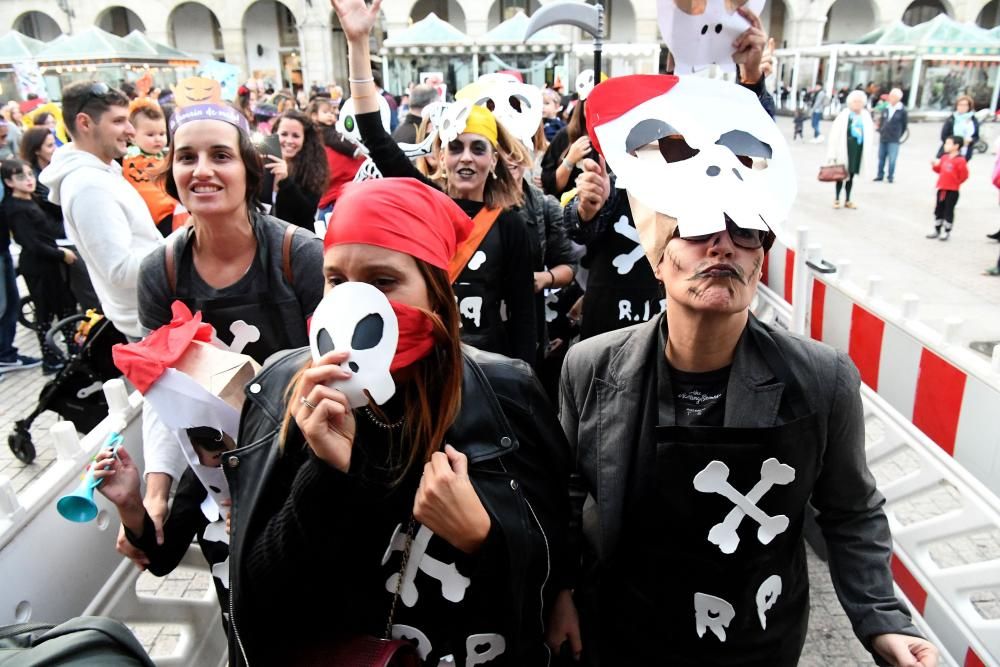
{"points": [[954, 404], [942, 402]]}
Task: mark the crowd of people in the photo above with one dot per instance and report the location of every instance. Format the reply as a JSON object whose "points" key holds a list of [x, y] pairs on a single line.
{"points": [[573, 263]]}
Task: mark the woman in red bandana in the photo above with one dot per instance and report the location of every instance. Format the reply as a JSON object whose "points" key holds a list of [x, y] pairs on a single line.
{"points": [[439, 516], [493, 274]]}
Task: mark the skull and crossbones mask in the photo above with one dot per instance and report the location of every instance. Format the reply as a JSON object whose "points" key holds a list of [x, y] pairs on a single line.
{"points": [[693, 150], [357, 317]]}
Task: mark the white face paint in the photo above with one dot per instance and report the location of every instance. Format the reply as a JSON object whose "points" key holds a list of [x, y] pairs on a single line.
{"points": [[701, 33], [723, 127], [356, 316], [584, 83], [347, 123], [712, 613], [516, 105]]}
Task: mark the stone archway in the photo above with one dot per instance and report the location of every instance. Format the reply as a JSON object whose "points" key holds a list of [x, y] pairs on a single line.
{"points": [[271, 36], [847, 20], [989, 16], [921, 11], [774, 18], [501, 10], [194, 28], [119, 21], [448, 11], [38, 26]]}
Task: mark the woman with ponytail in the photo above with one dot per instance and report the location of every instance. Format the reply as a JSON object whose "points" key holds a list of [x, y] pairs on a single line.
{"points": [[438, 516]]}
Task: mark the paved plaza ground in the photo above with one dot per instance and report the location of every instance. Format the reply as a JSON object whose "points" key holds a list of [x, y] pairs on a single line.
{"points": [[884, 235]]}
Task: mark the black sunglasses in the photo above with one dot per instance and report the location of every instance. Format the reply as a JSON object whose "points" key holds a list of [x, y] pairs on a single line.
{"points": [[97, 89], [749, 239]]}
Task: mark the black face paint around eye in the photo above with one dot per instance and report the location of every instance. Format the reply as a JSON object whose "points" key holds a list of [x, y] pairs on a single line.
{"points": [[368, 332]]}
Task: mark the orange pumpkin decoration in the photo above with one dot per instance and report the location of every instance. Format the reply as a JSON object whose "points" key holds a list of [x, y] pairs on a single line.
{"points": [[197, 90]]}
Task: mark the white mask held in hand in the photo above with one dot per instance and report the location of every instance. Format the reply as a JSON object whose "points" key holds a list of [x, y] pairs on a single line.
{"points": [[357, 317], [701, 33], [694, 149], [584, 83]]}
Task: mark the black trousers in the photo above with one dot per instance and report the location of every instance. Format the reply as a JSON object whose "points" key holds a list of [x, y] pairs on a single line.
{"points": [[53, 300], [945, 208]]}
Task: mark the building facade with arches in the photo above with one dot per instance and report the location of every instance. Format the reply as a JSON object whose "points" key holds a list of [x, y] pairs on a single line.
{"points": [[299, 42]]}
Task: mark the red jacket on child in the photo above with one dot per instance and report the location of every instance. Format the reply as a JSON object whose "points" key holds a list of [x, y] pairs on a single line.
{"points": [[953, 172]]}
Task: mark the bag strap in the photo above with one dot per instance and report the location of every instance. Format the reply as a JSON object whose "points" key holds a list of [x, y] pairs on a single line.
{"points": [[21, 628], [170, 255], [286, 254], [481, 226]]}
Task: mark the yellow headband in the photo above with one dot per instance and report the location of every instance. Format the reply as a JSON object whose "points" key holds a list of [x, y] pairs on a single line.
{"points": [[481, 121]]}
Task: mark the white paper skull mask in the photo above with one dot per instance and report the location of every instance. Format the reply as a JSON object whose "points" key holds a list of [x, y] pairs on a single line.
{"points": [[453, 120], [517, 106], [694, 149], [347, 122], [584, 83], [701, 33], [358, 317]]}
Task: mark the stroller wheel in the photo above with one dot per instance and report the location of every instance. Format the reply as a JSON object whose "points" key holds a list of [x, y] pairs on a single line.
{"points": [[26, 316], [20, 444]]}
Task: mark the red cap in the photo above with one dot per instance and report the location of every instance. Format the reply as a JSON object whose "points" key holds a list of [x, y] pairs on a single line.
{"points": [[400, 214], [613, 97]]}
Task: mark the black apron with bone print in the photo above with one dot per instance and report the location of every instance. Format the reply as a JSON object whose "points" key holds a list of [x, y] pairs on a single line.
{"points": [[712, 566], [621, 287]]}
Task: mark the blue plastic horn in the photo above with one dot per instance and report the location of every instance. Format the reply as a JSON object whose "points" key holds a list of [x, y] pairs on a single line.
{"points": [[79, 506]]}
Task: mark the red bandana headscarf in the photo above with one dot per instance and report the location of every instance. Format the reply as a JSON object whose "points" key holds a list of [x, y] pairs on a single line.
{"points": [[407, 216]]}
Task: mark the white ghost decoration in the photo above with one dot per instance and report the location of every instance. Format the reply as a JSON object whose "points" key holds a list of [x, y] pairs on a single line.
{"points": [[731, 160], [358, 317], [701, 33], [584, 83], [347, 122], [517, 106]]}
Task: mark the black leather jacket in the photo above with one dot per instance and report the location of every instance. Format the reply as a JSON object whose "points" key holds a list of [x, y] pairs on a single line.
{"points": [[518, 461]]}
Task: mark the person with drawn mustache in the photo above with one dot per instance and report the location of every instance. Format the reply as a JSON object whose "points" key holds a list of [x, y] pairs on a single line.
{"points": [[700, 436]]}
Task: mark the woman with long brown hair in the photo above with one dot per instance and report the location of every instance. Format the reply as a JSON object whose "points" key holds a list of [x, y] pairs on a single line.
{"points": [[295, 181], [492, 272], [437, 516]]}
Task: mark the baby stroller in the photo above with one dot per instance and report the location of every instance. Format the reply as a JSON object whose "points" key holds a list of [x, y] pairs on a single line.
{"points": [[75, 392]]}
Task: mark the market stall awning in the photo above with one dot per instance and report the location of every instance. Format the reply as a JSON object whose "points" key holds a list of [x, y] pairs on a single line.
{"points": [[428, 35], [15, 48], [94, 44], [140, 40], [941, 35], [510, 33]]}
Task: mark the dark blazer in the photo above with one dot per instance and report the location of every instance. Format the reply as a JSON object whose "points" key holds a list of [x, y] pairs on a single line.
{"points": [[601, 398], [891, 130]]}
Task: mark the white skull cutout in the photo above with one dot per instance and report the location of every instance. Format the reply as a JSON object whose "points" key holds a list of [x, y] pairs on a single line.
{"points": [[357, 317], [584, 83], [453, 121], [701, 33], [347, 122], [517, 106], [728, 160]]}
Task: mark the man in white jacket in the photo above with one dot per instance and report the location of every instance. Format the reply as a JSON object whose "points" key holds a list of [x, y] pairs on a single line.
{"points": [[109, 223], [105, 217]]}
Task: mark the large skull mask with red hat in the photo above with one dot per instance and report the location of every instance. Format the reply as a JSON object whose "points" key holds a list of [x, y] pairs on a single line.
{"points": [[694, 149]]}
